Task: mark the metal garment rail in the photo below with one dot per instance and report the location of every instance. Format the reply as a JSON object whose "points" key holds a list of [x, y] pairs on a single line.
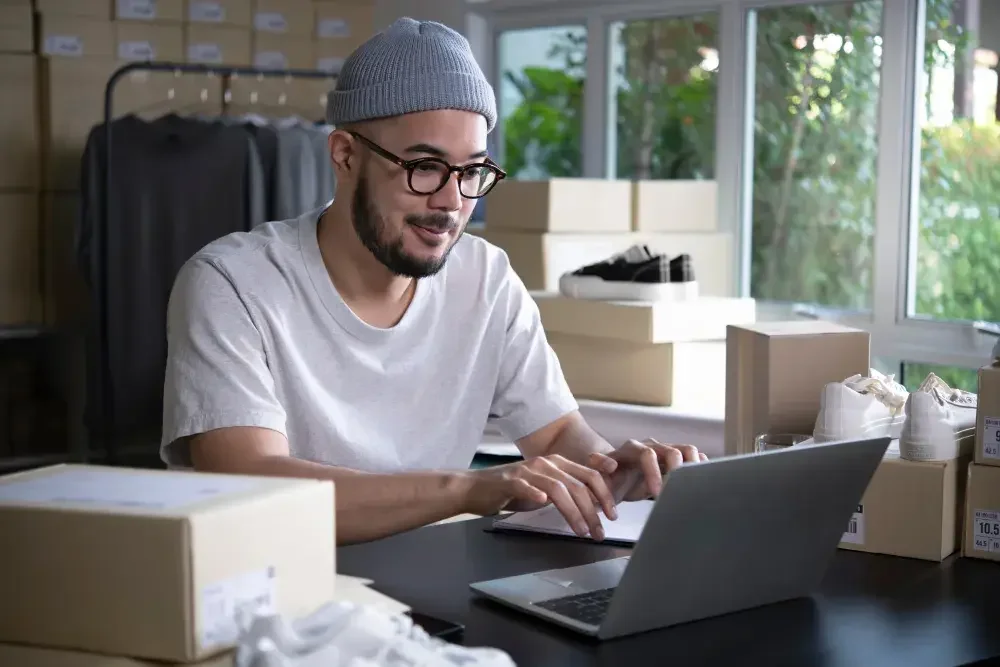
{"points": [[109, 435]]}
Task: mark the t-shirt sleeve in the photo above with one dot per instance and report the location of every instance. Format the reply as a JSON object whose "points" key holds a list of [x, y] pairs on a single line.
{"points": [[531, 390], [217, 374]]}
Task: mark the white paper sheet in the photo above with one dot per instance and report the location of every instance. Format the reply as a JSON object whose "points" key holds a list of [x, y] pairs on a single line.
{"points": [[627, 528]]}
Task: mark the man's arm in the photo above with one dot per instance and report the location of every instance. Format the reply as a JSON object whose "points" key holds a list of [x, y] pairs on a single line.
{"points": [[570, 436], [369, 506]]}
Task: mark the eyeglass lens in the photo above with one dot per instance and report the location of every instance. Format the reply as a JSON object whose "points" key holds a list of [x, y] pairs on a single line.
{"points": [[473, 181]]}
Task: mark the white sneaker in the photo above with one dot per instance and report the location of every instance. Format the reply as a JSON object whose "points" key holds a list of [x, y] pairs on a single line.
{"points": [[940, 422], [860, 407], [342, 634]]}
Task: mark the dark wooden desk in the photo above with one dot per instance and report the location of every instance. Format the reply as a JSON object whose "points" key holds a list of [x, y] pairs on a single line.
{"points": [[871, 610]]}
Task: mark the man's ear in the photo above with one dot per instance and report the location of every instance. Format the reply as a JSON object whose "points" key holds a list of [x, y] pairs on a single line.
{"points": [[343, 151]]}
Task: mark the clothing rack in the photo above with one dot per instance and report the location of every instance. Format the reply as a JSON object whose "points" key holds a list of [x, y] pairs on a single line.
{"points": [[225, 73]]}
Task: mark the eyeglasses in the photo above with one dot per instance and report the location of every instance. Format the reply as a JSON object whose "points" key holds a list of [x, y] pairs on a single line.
{"points": [[428, 175]]}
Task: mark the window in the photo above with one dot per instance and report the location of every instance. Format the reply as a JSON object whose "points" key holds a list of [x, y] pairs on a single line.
{"points": [[954, 271], [816, 89], [663, 98], [541, 101]]}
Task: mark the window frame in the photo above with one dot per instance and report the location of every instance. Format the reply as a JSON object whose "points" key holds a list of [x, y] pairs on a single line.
{"points": [[894, 334]]}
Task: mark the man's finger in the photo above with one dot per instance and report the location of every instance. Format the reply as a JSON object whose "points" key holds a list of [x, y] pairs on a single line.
{"points": [[522, 490], [702, 457], [603, 462], [581, 495], [689, 452], [650, 464], [594, 481], [559, 495]]}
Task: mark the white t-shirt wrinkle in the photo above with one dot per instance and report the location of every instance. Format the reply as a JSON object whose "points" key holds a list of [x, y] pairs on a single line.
{"points": [[258, 336]]}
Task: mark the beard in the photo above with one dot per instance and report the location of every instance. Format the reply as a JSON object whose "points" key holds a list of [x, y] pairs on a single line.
{"points": [[374, 233]]}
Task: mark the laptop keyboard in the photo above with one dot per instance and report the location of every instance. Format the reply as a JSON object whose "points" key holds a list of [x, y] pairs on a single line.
{"points": [[587, 608]]}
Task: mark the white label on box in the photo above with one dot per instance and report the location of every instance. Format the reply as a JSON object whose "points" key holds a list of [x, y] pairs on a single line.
{"points": [[331, 65], [855, 533], [140, 10], [63, 45], [986, 536], [270, 60], [221, 602], [270, 22], [108, 489], [206, 12], [991, 438], [210, 54], [136, 51], [333, 28]]}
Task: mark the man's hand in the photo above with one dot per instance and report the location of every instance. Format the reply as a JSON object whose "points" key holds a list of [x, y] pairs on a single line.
{"points": [[576, 490], [635, 470]]}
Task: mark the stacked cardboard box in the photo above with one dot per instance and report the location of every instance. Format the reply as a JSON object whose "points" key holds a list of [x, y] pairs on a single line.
{"points": [[551, 227], [982, 501]]}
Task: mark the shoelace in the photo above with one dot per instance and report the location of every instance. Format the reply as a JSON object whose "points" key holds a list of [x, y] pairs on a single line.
{"points": [[944, 393], [882, 389]]}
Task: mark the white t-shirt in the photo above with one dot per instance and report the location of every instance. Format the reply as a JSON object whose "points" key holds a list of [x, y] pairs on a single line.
{"points": [[258, 336]]}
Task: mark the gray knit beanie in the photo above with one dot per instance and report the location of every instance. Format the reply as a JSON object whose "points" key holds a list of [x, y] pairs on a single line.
{"points": [[411, 66]]}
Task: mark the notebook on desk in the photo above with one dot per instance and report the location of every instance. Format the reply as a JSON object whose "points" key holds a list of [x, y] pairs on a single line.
{"points": [[548, 521]]}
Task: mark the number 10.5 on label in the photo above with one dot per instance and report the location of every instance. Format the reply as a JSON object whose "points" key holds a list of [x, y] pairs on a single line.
{"points": [[986, 535]]}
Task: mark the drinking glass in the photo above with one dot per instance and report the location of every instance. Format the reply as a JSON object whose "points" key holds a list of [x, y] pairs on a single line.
{"points": [[768, 441]]}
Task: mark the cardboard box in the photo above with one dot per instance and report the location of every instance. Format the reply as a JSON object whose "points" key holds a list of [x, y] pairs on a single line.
{"points": [[274, 51], [20, 260], [149, 41], [153, 563], [20, 142], [288, 17], [217, 45], [166, 11], [910, 509], [349, 22], [307, 97], [605, 369], [675, 206], [65, 296], [235, 13], [331, 54], [539, 259], [97, 9], [776, 371], [17, 28], [571, 205], [988, 416], [639, 322], [74, 36], [36, 656], [982, 513]]}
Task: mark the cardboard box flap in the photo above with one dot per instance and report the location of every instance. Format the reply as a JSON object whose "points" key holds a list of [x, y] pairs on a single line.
{"points": [[800, 328]]}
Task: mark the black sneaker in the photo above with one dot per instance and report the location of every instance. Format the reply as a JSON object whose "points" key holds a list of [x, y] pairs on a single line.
{"points": [[634, 275]]}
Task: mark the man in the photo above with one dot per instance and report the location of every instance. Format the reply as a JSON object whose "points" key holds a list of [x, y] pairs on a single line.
{"points": [[369, 342]]}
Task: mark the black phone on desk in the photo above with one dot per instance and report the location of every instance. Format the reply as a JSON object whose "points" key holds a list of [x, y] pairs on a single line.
{"points": [[436, 627]]}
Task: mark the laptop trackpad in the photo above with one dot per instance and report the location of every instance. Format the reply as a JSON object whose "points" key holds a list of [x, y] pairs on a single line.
{"points": [[591, 577]]}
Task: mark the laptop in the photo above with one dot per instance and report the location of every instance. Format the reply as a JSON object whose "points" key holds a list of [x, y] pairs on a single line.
{"points": [[724, 535]]}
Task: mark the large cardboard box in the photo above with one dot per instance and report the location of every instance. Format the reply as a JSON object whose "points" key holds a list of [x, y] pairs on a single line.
{"points": [[644, 322], [276, 51], [65, 297], [776, 371], [982, 513], [97, 9], [149, 41], [20, 142], [539, 259], [675, 206], [166, 11], [659, 374], [988, 416], [572, 205], [330, 54], [217, 45], [36, 656], [75, 36], [236, 13], [288, 17], [346, 21], [153, 563], [20, 261], [17, 27], [910, 509]]}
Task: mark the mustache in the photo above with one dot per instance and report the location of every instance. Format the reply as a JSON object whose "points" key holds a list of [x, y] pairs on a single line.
{"points": [[438, 222]]}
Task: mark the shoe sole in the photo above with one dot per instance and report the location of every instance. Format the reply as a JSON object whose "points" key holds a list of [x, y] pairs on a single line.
{"points": [[592, 287], [880, 429], [930, 449]]}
